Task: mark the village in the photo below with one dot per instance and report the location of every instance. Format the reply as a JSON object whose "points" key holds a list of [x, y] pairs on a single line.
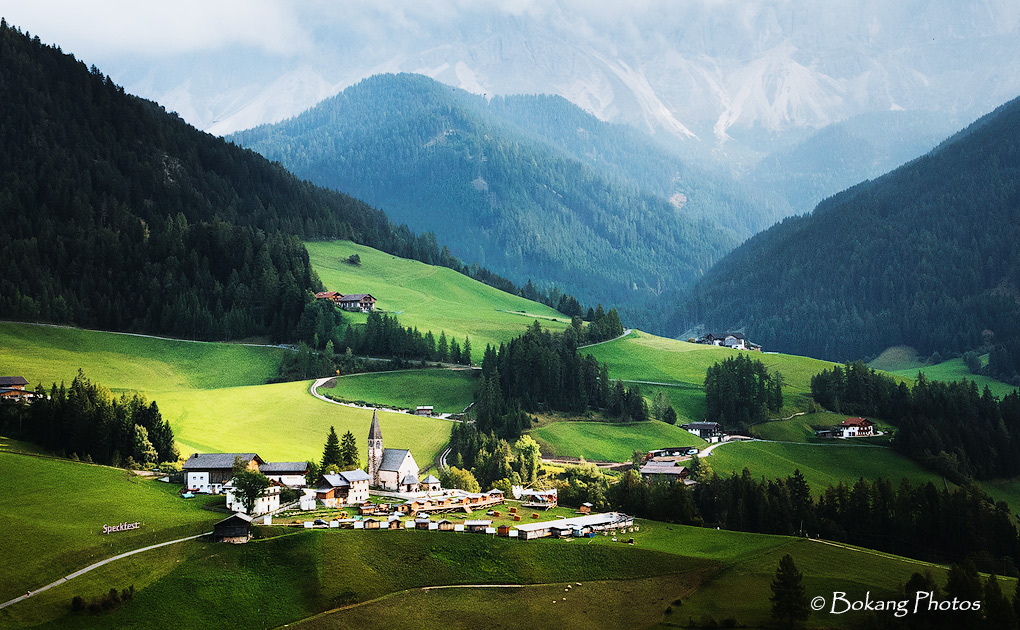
{"points": [[390, 496]]}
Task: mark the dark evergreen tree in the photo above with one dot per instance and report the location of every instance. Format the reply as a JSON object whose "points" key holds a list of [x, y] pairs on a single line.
{"points": [[331, 453], [789, 598], [349, 457]]}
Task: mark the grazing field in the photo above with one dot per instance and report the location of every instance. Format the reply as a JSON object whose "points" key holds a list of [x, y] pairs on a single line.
{"points": [[121, 362], [821, 464], [429, 297], [613, 442], [448, 391], [227, 585], [643, 357], [283, 422], [955, 370], [54, 511]]}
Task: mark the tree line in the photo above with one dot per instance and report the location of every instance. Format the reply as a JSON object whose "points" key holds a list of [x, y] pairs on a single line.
{"points": [[953, 428], [84, 421], [740, 391]]}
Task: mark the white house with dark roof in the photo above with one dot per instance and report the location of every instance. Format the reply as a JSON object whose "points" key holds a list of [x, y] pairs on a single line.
{"points": [[390, 468], [207, 473], [290, 474], [349, 487], [268, 501]]}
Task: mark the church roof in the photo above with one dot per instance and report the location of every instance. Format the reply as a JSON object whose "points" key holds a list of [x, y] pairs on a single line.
{"points": [[375, 433], [392, 458]]}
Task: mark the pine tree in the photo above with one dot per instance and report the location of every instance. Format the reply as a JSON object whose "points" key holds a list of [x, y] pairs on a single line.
{"points": [[331, 454], [465, 353], [789, 599], [349, 458]]}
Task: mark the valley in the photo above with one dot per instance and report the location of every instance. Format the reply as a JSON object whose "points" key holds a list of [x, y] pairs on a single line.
{"points": [[452, 347]]}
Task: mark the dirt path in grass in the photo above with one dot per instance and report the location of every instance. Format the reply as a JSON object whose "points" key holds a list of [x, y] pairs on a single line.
{"points": [[96, 566], [626, 331]]}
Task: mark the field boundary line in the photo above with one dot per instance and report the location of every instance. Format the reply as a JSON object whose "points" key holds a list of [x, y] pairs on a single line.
{"points": [[97, 565], [144, 336]]}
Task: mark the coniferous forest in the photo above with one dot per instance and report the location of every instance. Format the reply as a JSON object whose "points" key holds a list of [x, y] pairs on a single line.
{"points": [[925, 256], [119, 215]]}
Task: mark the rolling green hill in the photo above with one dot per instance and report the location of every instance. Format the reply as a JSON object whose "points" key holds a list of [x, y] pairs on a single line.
{"points": [[644, 357], [54, 511], [429, 297], [123, 362], [612, 442], [447, 391]]}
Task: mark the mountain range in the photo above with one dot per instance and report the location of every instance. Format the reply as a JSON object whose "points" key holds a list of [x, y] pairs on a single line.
{"points": [[531, 186]]}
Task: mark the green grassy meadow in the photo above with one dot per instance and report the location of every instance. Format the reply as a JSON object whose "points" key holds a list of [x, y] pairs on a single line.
{"points": [[283, 422], [802, 429], [614, 442], [122, 362], [821, 464], [429, 297], [448, 391], [644, 357], [54, 511], [904, 361]]}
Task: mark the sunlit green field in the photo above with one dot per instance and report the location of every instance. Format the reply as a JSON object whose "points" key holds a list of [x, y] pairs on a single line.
{"points": [[54, 511], [428, 297], [448, 391], [614, 442], [644, 357], [121, 362], [283, 422], [822, 464]]}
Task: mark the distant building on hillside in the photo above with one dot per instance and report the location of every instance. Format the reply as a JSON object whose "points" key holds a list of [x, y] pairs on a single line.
{"points": [[363, 302], [856, 427], [709, 431], [732, 340]]}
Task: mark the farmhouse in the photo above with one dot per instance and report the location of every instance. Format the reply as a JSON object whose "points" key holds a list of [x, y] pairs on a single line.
{"points": [[233, 529], [665, 470], [674, 451], [732, 340], [363, 302], [709, 431], [389, 468], [12, 388], [290, 474], [423, 410], [268, 502], [577, 526], [856, 427], [349, 487], [207, 473]]}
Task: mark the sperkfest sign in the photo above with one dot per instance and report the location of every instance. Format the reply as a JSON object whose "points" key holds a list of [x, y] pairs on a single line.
{"points": [[123, 527]]}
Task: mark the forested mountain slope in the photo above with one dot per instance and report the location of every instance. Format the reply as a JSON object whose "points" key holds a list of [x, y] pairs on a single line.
{"points": [[502, 183], [121, 216], [924, 256]]}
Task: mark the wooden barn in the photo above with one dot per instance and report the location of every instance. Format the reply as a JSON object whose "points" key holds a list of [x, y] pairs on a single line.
{"points": [[234, 529]]}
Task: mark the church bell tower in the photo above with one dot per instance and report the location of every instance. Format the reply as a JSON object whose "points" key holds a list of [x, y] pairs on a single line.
{"points": [[375, 450]]}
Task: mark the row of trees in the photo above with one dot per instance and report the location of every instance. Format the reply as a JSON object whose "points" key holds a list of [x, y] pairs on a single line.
{"points": [[87, 422], [493, 461], [740, 391], [951, 427]]}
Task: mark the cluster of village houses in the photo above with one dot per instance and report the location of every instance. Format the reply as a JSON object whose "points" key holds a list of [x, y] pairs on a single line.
{"points": [[392, 473], [732, 340]]}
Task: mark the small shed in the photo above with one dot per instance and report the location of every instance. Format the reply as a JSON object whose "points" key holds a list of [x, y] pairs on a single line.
{"points": [[477, 526], [585, 508], [422, 522], [371, 523], [445, 525], [504, 530], [233, 529], [423, 410]]}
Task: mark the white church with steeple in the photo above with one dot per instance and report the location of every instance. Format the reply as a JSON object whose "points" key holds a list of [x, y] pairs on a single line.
{"points": [[390, 468]]}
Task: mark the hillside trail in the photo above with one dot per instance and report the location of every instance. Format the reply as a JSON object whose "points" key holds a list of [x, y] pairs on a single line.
{"points": [[319, 382], [626, 331], [96, 566]]}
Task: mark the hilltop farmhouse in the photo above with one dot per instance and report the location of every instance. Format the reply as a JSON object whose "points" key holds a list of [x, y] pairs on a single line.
{"points": [[363, 302]]}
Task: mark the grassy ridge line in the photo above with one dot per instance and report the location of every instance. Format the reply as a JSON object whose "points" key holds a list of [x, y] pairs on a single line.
{"points": [[429, 297], [124, 362]]}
